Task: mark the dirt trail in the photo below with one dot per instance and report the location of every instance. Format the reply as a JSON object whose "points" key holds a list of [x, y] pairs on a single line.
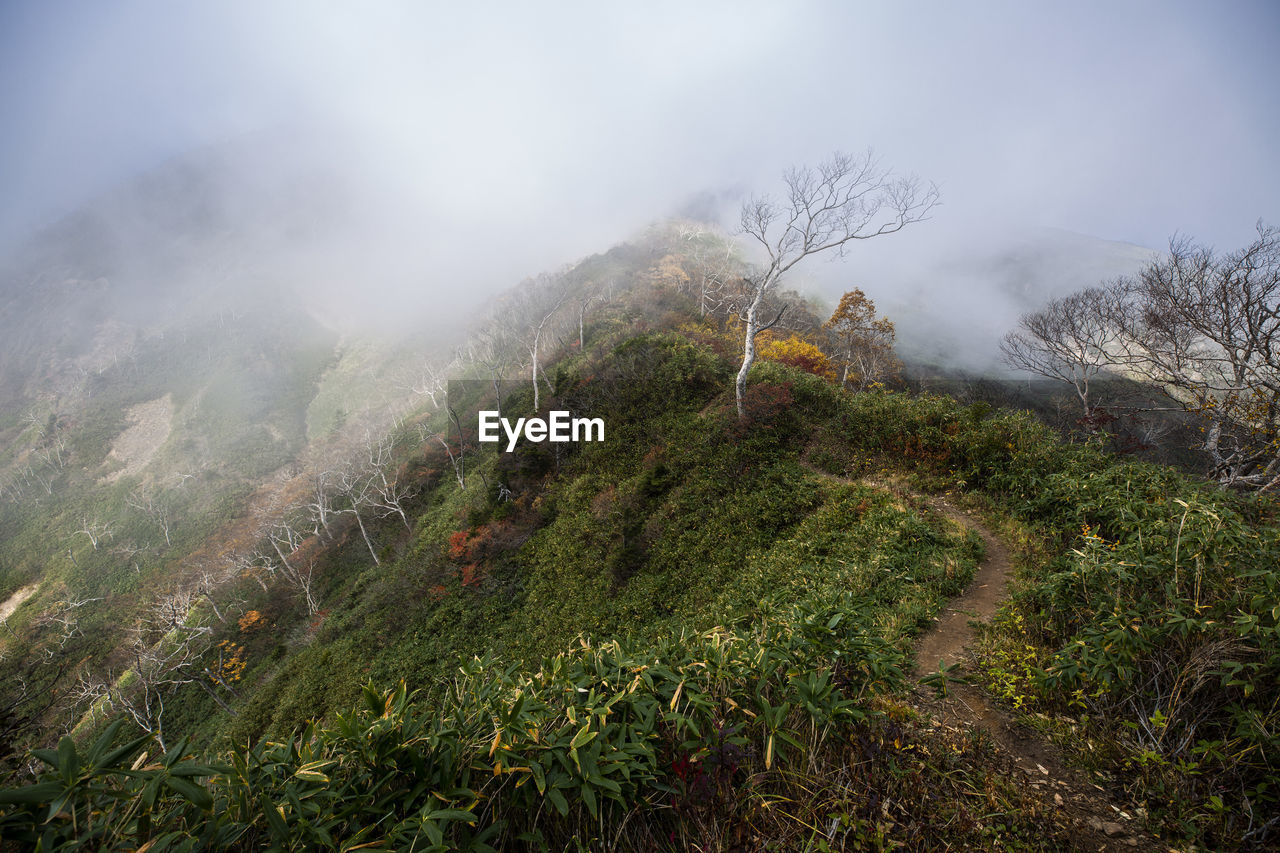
{"points": [[1100, 824]]}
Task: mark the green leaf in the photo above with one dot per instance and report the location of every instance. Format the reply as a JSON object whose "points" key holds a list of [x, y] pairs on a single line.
{"points": [[191, 768], [190, 791], [275, 821], [48, 756], [68, 758], [453, 814], [39, 793], [557, 799], [104, 740], [584, 736], [117, 755]]}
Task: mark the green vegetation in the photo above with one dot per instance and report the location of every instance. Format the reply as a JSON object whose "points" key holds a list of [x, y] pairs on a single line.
{"points": [[736, 733], [1151, 613], [677, 522], [695, 633]]}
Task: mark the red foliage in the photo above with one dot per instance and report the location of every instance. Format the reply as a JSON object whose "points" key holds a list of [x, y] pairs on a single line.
{"points": [[458, 549]]}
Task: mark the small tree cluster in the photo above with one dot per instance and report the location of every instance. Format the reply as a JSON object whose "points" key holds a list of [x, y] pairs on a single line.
{"points": [[1200, 326], [863, 342]]}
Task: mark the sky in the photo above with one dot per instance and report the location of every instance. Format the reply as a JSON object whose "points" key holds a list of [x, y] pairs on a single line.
{"points": [[515, 136]]}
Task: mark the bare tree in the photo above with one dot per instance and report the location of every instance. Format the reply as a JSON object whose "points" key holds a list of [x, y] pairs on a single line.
{"points": [[165, 652], [44, 478], [131, 551], [846, 198], [96, 531], [64, 617], [1072, 340], [28, 691], [429, 380], [297, 564], [713, 266], [301, 575], [155, 507], [537, 304], [319, 502], [255, 566], [284, 540], [457, 460], [587, 295], [358, 494], [1205, 328], [493, 348], [386, 491]]}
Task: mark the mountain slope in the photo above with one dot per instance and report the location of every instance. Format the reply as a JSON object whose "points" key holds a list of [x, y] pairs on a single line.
{"points": [[694, 637]]}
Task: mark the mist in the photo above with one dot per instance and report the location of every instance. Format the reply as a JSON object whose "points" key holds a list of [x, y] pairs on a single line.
{"points": [[405, 160]]}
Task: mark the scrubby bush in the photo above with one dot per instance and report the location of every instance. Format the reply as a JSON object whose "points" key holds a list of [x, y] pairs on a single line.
{"points": [[1158, 617]]}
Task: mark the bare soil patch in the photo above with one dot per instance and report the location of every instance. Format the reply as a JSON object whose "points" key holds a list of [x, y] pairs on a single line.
{"points": [[10, 606], [149, 427]]}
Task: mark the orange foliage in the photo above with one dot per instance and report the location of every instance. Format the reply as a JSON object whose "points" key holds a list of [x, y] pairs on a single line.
{"points": [[252, 621], [458, 544], [232, 667], [669, 272]]}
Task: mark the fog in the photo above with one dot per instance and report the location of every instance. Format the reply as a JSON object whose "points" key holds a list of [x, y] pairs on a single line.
{"points": [[405, 157]]}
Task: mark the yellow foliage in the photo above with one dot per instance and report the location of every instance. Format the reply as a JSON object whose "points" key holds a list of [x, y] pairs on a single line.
{"points": [[798, 353], [252, 621]]}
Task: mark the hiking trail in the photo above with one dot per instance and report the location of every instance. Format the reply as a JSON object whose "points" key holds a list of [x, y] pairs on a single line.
{"points": [[1101, 823]]}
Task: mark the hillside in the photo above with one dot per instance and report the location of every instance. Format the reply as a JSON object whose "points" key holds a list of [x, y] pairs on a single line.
{"points": [[163, 377], [699, 631]]}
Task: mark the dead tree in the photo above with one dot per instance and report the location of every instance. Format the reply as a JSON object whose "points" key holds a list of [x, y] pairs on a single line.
{"points": [[1071, 340], [1205, 328], [165, 651], [64, 618], [96, 531], [713, 265], [131, 551], [156, 508], [844, 199], [319, 502], [386, 491], [533, 309], [357, 494]]}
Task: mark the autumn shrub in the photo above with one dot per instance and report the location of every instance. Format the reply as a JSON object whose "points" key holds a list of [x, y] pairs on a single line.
{"points": [[796, 352]]}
